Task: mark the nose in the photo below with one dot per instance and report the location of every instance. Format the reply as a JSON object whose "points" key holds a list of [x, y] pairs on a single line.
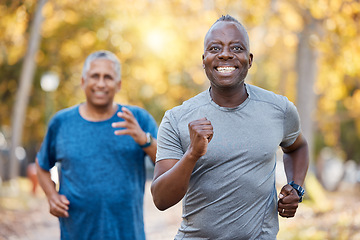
{"points": [[225, 54]]}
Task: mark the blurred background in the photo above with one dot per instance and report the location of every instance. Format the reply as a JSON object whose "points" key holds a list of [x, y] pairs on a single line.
{"points": [[306, 50]]}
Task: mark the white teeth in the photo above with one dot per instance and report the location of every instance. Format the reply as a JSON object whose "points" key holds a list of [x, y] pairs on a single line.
{"points": [[99, 93], [225, 69]]}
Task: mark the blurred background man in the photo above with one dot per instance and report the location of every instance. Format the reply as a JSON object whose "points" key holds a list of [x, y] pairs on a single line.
{"points": [[101, 146]]}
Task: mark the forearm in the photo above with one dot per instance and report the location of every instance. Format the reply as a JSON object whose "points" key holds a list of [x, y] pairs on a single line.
{"points": [[151, 150], [45, 181], [296, 164], [169, 187]]}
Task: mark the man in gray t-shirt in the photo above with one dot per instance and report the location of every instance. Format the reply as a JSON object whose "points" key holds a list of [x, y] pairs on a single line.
{"points": [[217, 150]]}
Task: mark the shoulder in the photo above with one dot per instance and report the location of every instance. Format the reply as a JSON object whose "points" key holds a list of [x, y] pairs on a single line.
{"points": [[65, 114], [189, 106], [261, 95], [63, 118]]}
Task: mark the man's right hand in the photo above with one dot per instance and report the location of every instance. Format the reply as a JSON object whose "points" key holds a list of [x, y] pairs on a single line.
{"points": [[201, 133], [59, 205]]}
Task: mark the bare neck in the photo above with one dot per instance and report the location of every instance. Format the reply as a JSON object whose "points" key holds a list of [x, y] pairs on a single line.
{"points": [[96, 114], [229, 97]]}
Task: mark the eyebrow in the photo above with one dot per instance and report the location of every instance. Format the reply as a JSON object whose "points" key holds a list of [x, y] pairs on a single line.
{"points": [[220, 42], [109, 75]]}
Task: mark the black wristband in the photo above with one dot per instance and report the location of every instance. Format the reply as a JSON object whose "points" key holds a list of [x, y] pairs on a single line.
{"points": [[299, 190]]}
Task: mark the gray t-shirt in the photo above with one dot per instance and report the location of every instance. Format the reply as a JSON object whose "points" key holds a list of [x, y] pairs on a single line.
{"points": [[232, 192]]}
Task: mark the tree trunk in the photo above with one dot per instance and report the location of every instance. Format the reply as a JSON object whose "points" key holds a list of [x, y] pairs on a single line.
{"points": [[22, 95], [306, 61]]}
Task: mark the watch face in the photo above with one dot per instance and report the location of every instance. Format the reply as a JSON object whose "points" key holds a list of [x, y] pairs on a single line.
{"points": [[148, 137], [148, 140]]}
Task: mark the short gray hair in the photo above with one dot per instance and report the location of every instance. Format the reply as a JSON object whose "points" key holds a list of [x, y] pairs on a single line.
{"points": [[102, 54]]}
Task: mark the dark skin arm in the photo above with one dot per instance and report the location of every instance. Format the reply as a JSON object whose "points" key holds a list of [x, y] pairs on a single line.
{"points": [[172, 176], [296, 163]]}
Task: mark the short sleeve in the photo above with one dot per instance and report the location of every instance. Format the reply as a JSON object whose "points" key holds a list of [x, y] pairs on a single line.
{"points": [[291, 125], [148, 123], [169, 145], [47, 154]]}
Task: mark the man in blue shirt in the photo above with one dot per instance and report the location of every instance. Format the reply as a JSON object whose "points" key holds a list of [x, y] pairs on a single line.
{"points": [[101, 146]]}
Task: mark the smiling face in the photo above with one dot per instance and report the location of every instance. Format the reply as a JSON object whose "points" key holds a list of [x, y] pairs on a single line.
{"points": [[100, 83], [226, 55]]}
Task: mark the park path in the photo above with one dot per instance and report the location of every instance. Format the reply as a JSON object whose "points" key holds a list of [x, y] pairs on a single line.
{"points": [[340, 221], [36, 223]]}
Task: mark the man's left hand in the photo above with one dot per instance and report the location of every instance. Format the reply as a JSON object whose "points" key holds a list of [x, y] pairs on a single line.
{"points": [[288, 201]]}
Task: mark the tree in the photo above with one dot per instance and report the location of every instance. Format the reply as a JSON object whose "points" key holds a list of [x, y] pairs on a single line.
{"points": [[160, 43], [22, 96], [307, 70]]}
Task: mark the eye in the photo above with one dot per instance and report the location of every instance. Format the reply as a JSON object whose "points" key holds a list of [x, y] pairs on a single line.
{"points": [[95, 76], [108, 77], [237, 48], [214, 48]]}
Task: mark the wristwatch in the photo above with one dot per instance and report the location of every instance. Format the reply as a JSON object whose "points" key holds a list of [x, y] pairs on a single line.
{"points": [[299, 189], [148, 140]]}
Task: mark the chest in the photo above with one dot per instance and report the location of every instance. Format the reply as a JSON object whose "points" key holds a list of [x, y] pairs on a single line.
{"points": [[245, 136], [78, 144]]}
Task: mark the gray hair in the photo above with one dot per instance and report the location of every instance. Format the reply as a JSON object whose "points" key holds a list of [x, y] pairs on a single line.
{"points": [[102, 54]]}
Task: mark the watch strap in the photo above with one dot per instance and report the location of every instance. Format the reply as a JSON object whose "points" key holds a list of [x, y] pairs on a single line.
{"points": [[148, 140], [300, 190]]}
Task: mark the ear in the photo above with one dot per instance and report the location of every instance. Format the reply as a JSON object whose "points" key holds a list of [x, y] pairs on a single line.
{"points": [[82, 83], [251, 58], [203, 57], [118, 86]]}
